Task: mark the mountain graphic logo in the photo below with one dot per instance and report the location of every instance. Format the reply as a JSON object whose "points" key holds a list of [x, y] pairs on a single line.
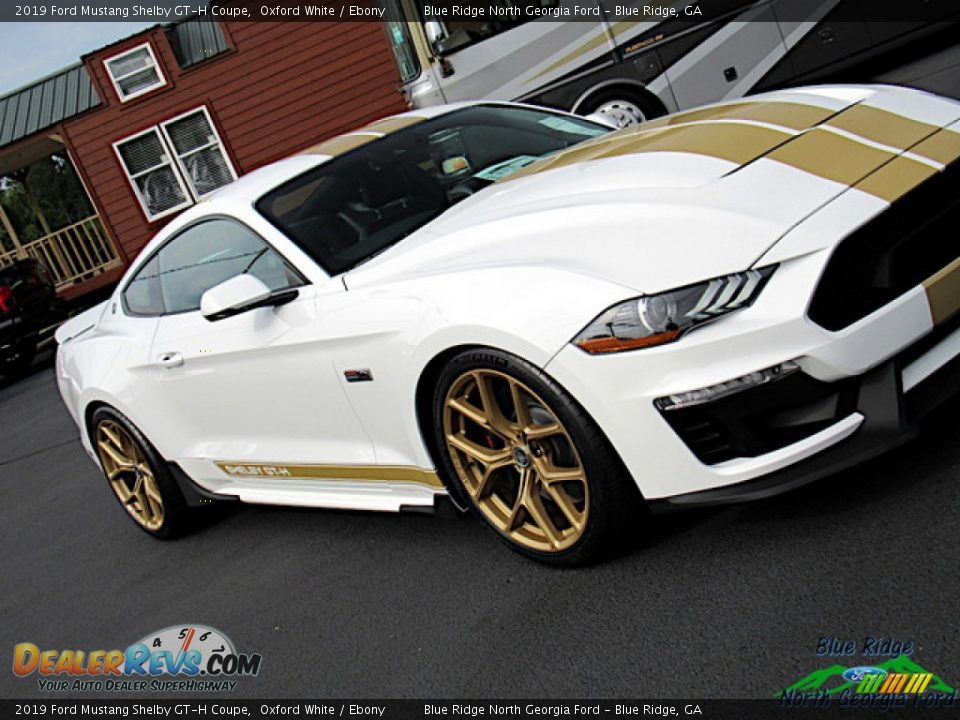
{"points": [[831, 681]]}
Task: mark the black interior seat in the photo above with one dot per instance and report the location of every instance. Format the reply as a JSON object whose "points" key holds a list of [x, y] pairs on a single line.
{"points": [[320, 224], [391, 191]]}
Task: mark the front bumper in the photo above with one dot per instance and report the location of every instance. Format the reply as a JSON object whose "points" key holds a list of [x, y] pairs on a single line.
{"points": [[884, 416], [875, 379]]}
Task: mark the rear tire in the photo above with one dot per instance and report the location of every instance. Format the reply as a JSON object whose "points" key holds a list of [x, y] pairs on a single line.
{"points": [[139, 477], [530, 462]]}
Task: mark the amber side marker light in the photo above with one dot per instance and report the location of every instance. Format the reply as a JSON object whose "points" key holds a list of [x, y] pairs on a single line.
{"points": [[601, 345]]}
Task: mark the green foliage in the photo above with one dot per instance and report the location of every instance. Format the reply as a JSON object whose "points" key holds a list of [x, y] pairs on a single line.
{"points": [[56, 191]]}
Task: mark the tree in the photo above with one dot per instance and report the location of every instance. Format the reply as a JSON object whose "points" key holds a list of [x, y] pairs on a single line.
{"points": [[44, 197]]}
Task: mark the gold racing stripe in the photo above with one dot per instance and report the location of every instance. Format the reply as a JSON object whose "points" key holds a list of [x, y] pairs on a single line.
{"points": [[896, 178], [345, 143], [822, 153], [733, 142], [728, 141], [943, 292], [392, 124], [831, 156], [942, 147], [340, 144], [882, 126], [371, 473], [793, 115], [828, 155]]}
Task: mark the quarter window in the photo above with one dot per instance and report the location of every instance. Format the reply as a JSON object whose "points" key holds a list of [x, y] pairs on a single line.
{"points": [[142, 296], [135, 72], [200, 257]]}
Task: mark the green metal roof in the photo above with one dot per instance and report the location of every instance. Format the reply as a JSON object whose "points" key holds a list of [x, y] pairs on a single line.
{"points": [[69, 91], [46, 102]]}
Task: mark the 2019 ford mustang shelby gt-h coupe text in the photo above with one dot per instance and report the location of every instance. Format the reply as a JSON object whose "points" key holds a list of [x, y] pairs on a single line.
{"points": [[553, 323]]}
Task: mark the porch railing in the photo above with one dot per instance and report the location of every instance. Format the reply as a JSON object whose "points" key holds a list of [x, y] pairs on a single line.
{"points": [[74, 253]]}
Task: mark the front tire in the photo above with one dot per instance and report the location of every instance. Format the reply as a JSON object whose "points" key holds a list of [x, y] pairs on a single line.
{"points": [[624, 106], [529, 460], [139, 477]]}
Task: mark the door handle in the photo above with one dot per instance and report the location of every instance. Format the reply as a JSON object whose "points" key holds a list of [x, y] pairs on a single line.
{"points": [[170, 359]]}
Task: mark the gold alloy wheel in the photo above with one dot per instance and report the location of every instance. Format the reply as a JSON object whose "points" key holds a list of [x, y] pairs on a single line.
{"points": [[129, 474], [516, 460]]}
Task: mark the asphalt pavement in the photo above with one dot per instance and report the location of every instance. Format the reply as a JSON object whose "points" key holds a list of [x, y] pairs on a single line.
{"points": [[726, 602]]}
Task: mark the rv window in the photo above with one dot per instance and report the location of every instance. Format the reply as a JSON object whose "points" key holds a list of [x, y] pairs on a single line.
{"points": [[398, 36]]}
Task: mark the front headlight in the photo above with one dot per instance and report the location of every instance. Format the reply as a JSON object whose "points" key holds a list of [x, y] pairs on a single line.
{"points": [[662, 318]]}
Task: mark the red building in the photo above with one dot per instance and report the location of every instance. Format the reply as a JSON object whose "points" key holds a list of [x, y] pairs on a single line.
{"points": [[155, 121]]}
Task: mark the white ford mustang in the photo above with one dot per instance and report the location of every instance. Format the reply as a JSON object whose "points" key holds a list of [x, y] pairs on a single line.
{"points": [[555, 325]]}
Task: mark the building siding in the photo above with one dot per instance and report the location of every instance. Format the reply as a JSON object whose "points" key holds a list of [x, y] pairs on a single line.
{"points": [[280, 88]]}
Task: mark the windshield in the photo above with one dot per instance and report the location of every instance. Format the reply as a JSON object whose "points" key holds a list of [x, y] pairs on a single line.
{"points": [[358, 204]]}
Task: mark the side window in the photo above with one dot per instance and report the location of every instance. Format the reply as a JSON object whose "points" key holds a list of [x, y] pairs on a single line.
{"points": [[211, 252], [202, 256]]}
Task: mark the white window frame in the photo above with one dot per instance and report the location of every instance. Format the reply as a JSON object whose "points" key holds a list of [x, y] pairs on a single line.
{"points": [[168, 162], [218, 142], [173, 161], [115, 80]]}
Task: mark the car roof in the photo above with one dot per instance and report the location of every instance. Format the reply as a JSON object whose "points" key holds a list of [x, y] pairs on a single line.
{"points": [[250, 187]]}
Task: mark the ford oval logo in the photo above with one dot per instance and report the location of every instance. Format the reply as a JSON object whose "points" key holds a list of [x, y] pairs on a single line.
{"points": [[856, 674]]}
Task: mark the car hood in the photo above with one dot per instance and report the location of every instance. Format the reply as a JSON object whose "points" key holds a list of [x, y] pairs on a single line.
{"points": [[678, 200]]}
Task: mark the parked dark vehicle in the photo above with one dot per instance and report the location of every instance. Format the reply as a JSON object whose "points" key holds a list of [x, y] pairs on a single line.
{"points": [[30, 310]]}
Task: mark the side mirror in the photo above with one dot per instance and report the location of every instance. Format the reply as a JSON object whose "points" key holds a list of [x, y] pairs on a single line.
{"points": [[240, 294]]}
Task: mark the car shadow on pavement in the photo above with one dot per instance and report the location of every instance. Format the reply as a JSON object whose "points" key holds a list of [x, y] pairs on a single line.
{"points": [[44, 361]]}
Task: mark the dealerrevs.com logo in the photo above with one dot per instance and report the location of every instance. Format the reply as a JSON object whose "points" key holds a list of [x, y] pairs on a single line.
{"points": [[180, 658]]}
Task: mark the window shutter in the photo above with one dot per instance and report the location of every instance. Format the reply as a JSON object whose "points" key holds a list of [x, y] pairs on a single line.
{"points": [[149, 168], [135, 72], [173, 165], [199, 152]]}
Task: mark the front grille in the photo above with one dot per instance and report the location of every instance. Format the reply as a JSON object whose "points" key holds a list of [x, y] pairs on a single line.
{"points": [[761, 419], [895, 251], [705, 435]]}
